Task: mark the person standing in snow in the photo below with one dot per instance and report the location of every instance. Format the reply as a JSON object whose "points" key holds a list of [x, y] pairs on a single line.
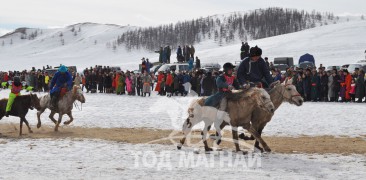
{"points": [[360, 86], [146, 80]]}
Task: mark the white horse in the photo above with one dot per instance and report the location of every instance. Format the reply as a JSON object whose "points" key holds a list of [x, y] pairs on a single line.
{"points": [[65, 105]]}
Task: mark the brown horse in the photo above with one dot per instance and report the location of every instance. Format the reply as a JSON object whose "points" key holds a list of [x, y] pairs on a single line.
{"points": [[279, 94], [241, 104], [65, 105], [20, 108]]}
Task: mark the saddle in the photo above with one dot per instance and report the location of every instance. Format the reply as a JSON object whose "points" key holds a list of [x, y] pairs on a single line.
{"points": [[63, 91]]}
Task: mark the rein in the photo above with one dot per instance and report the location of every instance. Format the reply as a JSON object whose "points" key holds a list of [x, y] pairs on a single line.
{"points": [[283, 92]]}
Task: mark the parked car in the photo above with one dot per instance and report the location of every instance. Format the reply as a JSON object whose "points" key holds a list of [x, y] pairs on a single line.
{"points": [[330, 68], [345, 66], [351, 67], [281, 67], [177, 67], [306, 64], [284, 60]]}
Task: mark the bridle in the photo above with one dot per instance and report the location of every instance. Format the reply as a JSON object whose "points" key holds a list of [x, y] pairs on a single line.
{"points": [[283, 92]]}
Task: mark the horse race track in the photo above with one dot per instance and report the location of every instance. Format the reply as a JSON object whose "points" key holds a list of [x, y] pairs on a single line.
{"points": [[112, 139], [302, 144]]}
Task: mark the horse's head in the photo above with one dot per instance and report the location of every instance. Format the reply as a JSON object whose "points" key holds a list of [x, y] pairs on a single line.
{"points": [[290, 94], [263, 100], [34, 101], [78, 94]]}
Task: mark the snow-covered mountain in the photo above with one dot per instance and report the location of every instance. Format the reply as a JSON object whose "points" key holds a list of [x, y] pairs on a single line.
{"points": [[88, 44]]}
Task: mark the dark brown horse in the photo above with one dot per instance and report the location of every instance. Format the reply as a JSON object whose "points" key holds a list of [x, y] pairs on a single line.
{"points": [[20, 108]]}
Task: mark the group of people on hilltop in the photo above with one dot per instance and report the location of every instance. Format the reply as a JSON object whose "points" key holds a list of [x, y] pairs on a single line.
{"points": [[186, 53], [244, 50], [164, 54]]}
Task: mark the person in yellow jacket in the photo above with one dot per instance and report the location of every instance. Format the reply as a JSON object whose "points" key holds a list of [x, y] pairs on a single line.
{"points": [[46, 82], [15, 91]]}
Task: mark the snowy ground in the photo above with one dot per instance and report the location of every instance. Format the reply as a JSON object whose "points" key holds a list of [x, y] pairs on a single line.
{"points": [[87, 159], [109, 110]]}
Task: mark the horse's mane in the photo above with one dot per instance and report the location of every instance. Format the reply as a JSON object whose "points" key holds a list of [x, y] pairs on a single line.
{"points": [[242, 94]]}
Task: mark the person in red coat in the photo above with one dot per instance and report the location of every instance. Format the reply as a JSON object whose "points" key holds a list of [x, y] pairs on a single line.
{"points": [[160, 79], [348, 80], [168, 84]]}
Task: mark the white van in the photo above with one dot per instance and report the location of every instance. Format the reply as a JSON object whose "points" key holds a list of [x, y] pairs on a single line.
{"points": [[177, 67]]}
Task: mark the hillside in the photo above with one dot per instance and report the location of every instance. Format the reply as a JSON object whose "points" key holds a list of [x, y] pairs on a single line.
{"points": [[332, 44]]}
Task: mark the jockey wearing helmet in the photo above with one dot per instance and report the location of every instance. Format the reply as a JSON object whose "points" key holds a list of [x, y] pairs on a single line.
{"points": [[16, 87], [62, 79], [253, 69], [225, 83]]}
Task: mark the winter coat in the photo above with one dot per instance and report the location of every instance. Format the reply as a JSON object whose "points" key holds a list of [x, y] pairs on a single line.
{"points": [[315, 83], [360, 87], [108, 82], [250, 71], [190, 64], [208, 85], [342, 90], [330, 87], [324, 85], [348, 86], [146, 80], [128, 84], [59, 80]]}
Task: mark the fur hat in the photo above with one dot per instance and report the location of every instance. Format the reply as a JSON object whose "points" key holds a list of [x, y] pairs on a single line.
{"points": [[255, 51]]}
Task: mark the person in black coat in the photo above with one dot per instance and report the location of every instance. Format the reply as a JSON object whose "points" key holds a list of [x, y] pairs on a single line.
{"points": [[208, 84], [337, 85], [198, 63], [360, 86], [324, 87], [108, 83], [253, 69], [101, 82]]}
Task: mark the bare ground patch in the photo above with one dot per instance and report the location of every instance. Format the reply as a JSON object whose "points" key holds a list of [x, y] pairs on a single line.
{"points": [[289, 145]]}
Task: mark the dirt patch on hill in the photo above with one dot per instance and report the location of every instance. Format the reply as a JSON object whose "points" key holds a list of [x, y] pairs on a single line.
{"points": [[303, 144]]}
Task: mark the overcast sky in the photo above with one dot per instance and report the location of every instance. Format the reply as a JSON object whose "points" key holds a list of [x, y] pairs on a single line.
{"points": [[59, 13]]}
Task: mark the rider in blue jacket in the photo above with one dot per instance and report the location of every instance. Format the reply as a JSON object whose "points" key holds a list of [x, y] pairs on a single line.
{"points": [[62, 79]]}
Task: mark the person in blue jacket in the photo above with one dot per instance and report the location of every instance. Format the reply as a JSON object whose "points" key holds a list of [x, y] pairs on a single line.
{"points": [[62, 79], [253, 69], [225, 83]]}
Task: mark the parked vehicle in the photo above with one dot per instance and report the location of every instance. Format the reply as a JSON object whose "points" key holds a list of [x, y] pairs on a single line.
{"points": [[351, 67], [289, 61], [330, 68], [177, 67], [281, 67], [211, 66]]}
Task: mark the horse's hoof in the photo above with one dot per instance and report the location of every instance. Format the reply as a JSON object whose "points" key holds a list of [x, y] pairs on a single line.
{"points": [[208, 149], [39, 126], [244, 137], [218, 142], [179, 147], [259, 149], [245, 152], [267, 149], [66, 123], [30, 131]]}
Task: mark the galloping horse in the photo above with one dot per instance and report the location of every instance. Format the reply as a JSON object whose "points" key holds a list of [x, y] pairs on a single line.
{"points": [[279, 94], [241, 105], [65, 105], [20, 108]]}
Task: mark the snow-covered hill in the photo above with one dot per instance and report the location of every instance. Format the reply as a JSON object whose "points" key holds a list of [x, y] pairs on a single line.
{"points": [[333, 44]]}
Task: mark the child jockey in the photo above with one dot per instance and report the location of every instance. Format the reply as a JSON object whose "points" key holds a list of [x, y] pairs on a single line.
{"points": [[225, 83], [15, 92]]}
